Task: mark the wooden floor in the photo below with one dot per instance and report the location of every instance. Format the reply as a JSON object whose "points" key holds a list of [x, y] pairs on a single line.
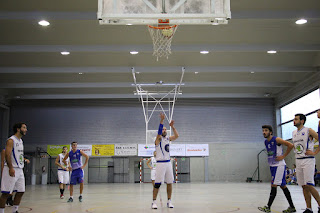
{"points": [[187, 197]]}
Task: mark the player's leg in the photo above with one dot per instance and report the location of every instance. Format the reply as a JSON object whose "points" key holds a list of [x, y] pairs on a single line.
{"points": [[20, 188], [7, 185], [73, 181], [169, 180], [273, 191], [157, 183]]}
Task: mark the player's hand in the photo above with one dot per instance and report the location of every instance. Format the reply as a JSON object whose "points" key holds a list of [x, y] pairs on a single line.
{"points": [[162, 116], [12, 172], [309, 152], [171, 123], [70, 169], [82, 167], [27, 161], [279, 158]]}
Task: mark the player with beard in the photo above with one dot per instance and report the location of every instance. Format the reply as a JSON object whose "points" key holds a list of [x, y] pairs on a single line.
{"points": [[13, 177], [164, 172], [305, 160]]}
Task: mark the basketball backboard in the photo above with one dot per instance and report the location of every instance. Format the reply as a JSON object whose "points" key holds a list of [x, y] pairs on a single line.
{"points": [[147, 12]]}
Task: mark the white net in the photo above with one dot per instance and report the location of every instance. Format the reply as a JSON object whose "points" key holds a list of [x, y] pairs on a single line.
{"points": [[162, 37]]}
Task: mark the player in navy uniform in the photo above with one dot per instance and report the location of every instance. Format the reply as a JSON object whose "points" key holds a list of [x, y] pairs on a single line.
{"points": [[277, 167], [164, 172], [77, 168]]}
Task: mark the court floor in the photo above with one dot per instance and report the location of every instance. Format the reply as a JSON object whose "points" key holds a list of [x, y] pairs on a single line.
{"points": [[187, 197]]}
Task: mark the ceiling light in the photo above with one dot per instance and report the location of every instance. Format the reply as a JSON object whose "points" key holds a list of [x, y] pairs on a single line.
{"points": [[252, 72], [204, 52], [80, 73], [138, 72], [272, 51], [44, 23], [128, 24], [215, 23], [196, 73], [65, 53], [301, 21], [134, 52], [266, 95]]}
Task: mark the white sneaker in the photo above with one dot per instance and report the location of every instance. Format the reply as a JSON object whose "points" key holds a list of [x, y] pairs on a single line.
{"points": [[154, 205], [169, 204]]}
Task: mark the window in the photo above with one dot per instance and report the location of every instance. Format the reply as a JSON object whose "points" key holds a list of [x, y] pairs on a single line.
{"points": [[307, 105]]}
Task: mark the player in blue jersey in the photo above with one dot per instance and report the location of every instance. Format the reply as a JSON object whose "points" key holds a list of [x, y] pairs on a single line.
{"points": [[76, 167], [277, 167]]}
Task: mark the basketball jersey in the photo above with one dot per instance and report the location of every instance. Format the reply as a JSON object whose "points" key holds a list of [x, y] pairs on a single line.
{"points": [[162, 149], [17, 157], [61, 156], [75, 159], [274, 150], [153, 162], [5, 162], [302, 143]]}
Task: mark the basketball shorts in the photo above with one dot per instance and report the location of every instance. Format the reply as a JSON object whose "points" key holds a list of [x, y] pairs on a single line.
{"points": [[164, 172], [76, 176], [278, 175], [12, 184], [63, 176], [305, 171], [153, 174]]}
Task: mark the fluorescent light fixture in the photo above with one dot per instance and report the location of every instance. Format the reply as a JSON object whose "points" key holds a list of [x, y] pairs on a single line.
{"points": [[204, 52], [44, 23], [215, 23], [128, 24], [80, 73], [196, 72], [134, 52], [252, 72], [271, 51], [301, 21], [65, 53]]}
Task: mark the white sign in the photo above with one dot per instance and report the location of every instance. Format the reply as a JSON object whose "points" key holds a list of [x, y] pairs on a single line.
{"points": [[197, 149], [146, 150], [177, 150], [85, 148], [125, 149]]}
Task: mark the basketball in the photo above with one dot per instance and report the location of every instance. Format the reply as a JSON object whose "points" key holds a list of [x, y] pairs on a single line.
{"points": [[167, 32]]}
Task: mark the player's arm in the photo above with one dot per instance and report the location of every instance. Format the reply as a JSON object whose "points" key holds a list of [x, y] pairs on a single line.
{"points": [[26, 160], [87, 159], [148, 163], [175, 132], [285, 143], [64, 160], [158, 138], [2, 160], [8, 152], [314, 135]]}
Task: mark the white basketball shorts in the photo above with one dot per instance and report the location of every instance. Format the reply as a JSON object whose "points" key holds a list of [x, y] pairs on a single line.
{"points": [[12, 184], [63, 176], [164, 172], [305, 171]]}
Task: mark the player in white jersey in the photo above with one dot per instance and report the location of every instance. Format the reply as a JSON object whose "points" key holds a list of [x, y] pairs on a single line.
{"points": [[13, 177], [153, 162], [277, 167], [164, 172], [305, 160], [63, 171]]}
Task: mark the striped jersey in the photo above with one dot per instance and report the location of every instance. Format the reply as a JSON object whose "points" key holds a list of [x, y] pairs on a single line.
{"points": [[274, 150], [162, 149], [302, 143]]}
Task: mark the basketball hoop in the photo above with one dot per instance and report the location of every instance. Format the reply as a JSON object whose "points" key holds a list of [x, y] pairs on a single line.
{"points": [[162, 36]]}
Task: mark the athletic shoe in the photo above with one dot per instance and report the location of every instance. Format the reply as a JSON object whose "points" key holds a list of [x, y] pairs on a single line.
{"points": [[61, 196], [308, 211], [80, 198], [264, 209], [289, 209], [169, 204], [70, 200], [154, 205]]}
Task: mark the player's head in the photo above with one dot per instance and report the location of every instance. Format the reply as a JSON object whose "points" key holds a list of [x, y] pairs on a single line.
{"points": [[74, 145], [64, 149], [299, 120], [318, 113], [267, 131], [164, 132], [154, 153], [20, 128], [294, 165]]}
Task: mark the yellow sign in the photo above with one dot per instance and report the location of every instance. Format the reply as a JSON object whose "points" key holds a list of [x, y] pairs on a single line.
{"points": [[55, 150], [103, 150]]}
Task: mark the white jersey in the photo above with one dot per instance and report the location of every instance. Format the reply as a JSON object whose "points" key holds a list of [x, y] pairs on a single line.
{"points": [[162, 149], [153, 162], [61, 156], [17, 157], [302, 143]]}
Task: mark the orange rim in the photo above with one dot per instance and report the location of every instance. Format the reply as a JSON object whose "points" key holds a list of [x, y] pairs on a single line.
{"points": [[162, 27]]}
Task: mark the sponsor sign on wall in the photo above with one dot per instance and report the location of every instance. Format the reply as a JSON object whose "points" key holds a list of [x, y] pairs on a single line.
{"points": [[197, 149], [55, 150], [85, 148], [103, 150], [125, 149], [177, 150], [146, 150]]}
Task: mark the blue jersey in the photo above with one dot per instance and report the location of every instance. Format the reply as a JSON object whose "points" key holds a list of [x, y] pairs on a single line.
{"points": [[274, 150], [75, 159]]}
